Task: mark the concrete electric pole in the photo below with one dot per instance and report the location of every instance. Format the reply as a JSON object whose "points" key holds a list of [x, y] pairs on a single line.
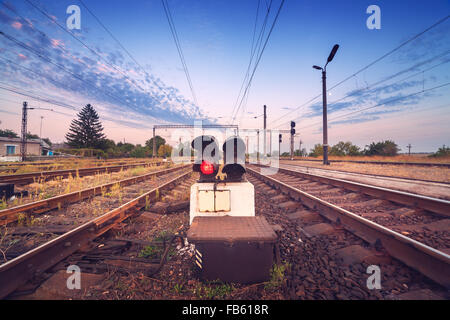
{"points": [[265, 123], [324, 101]]}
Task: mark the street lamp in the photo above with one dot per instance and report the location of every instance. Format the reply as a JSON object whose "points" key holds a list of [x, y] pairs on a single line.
{"points": [[40, 129], [324, 100]]}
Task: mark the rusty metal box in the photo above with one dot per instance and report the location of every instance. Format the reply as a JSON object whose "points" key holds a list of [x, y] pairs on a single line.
{"points": [[233, 249], [6, 190]]}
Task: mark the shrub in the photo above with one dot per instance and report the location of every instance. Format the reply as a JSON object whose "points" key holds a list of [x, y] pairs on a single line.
{"points": [[382, 148], [442, 152]]}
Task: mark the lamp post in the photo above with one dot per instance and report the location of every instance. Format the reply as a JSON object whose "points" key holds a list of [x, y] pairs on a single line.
{"points": [[324, 100], [40, 129]]}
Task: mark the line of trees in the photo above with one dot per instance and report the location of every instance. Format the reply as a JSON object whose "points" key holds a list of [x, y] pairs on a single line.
{"points": [[86, 137], [12, 134], [382, 148]]}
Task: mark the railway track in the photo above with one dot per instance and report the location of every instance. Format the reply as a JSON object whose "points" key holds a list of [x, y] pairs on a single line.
{"points": [[63, 232], [312, 265], [11, 169], [411, 228], [26, 178], [10, 215], [397, 163], [394, 178], [324, 249]]}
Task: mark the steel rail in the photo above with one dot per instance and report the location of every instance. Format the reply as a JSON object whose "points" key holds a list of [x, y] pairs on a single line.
{"points": [[11, 214], [432, 263], [41, 167], [63, 160], [395, 163], [435, 205], [25, 178], [19, 270], [370, 175]]}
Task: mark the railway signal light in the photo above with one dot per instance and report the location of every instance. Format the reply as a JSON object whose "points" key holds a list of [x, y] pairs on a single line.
{"points": [[234, 159], [207, 160], [280, 138], [292, 127], [207, 168]]}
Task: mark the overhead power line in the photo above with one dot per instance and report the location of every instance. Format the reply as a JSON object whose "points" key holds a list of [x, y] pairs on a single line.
{"points": [[173, 30], [123, 47], [55, 102], [259, 57], [52, 19], [367, 66], [390, 77], [253, 51], [257, 50], [380, 104], [45, 58], [36, 97]]}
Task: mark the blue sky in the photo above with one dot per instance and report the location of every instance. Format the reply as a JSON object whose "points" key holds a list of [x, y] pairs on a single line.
{"points": [[216, 37]]}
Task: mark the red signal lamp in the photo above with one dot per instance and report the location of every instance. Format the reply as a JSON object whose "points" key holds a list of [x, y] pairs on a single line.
{"points": [[207, 167]]}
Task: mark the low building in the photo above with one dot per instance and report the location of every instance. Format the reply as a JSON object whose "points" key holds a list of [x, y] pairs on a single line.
{"points": [[10, 147]]}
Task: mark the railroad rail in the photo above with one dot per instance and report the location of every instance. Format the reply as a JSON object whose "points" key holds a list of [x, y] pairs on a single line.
{"points": [[432, 262], [26, 178], [396, 163], [351, 173], [42, 165], [37, 207], [19, 270]]}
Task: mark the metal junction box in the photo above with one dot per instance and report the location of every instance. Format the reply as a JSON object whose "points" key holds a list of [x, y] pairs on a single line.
{"points": [[222, 199], [6, 190], [233, 249]]}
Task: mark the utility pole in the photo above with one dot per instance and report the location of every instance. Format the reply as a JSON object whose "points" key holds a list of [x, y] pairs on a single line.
{"points": [[23, 142], [154, 143], [270, 142], [300, 147], [246, 145], [292, 147], [265, 122], [257, 148], [409, 149], [325, 121], [40, 129], [324, 101]]}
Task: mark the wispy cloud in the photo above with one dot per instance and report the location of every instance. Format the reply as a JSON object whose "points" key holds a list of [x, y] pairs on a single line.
{"points": [[117, 84]]}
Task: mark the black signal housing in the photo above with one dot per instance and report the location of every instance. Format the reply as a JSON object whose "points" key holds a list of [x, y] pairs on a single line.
{"points": [[207, 156], [234, 159]]}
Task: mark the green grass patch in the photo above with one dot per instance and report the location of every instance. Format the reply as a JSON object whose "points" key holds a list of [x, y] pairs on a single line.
{"points": [[277, 276], [213, 290]]}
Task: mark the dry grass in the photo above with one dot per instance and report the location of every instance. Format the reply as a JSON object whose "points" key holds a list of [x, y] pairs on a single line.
{"points": [[437, 174], [64, 164], [47, 189]]}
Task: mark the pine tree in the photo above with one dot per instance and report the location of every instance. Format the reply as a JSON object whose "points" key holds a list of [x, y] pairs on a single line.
{"points": [[86, 131]]}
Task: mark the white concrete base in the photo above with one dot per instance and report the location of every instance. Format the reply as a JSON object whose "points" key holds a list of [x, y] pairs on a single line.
{"points": [[242, 199], [10, 159]]}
